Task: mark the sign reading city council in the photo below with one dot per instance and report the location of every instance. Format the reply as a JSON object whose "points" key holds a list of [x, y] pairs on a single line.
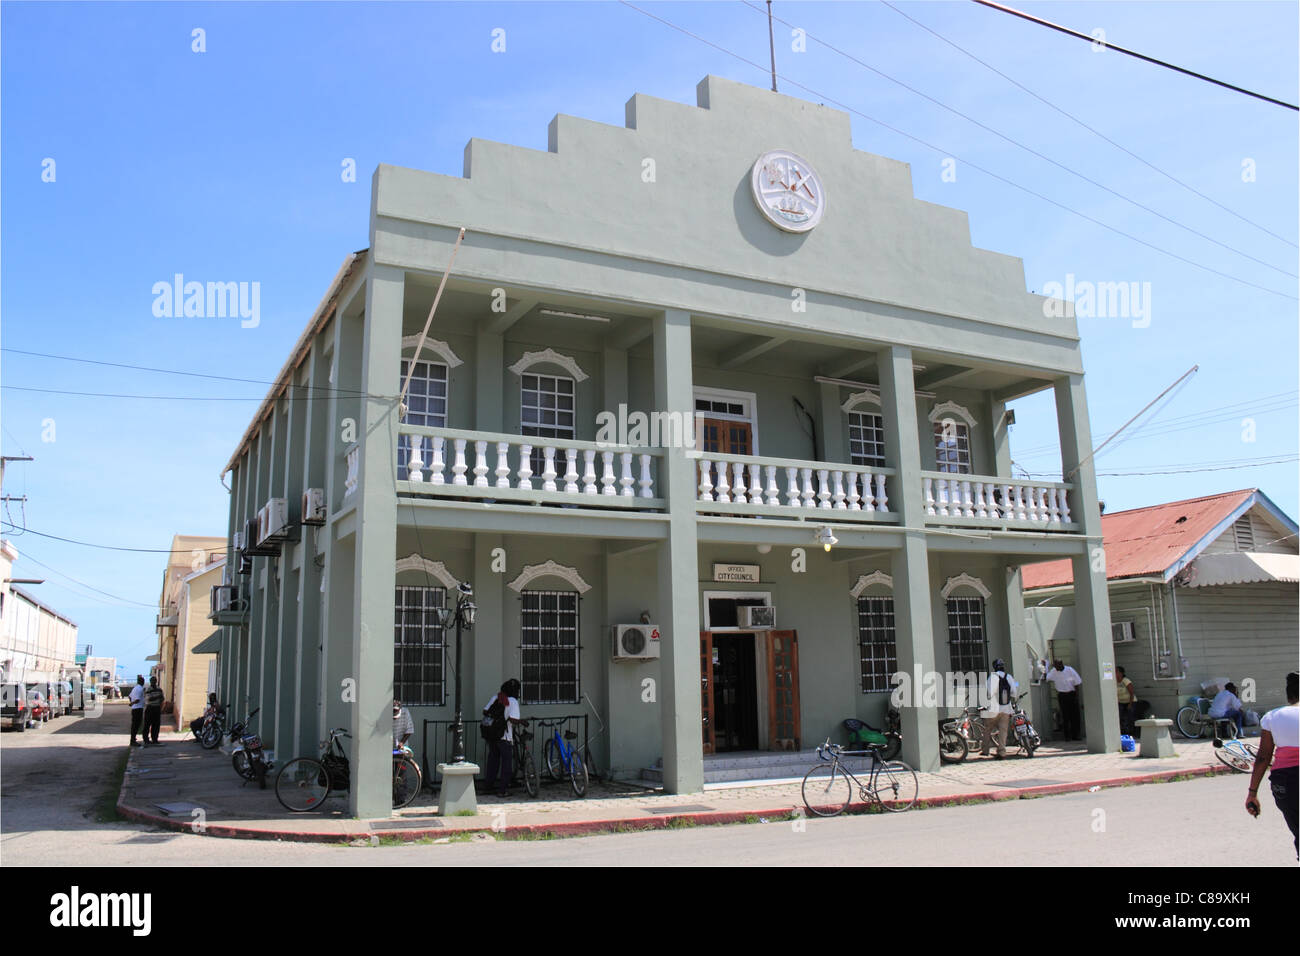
{"points": [[736, 573], [788, 191]]}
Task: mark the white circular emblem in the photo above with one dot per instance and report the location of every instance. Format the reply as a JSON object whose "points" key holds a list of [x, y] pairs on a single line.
{"points": [[788, 191]]}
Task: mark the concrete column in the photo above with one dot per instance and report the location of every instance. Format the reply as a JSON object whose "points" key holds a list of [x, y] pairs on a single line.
{"points": [[376, 546], [484, 652], [308, 730], [614, 379], [678, 600], [1091, 598], [913, 622], [287, 698], [999, 439], [832, 441], [489, 384]]}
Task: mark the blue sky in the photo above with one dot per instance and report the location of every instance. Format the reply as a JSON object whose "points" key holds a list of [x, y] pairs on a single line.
{"points": [[225, 165]]}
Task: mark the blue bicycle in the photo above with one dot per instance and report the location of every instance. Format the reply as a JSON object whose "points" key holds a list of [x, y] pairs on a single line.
{"points": [[561, 759]]}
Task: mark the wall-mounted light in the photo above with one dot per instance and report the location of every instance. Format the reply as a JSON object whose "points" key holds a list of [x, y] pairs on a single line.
{"points": [[826, 538], [764, 549]]}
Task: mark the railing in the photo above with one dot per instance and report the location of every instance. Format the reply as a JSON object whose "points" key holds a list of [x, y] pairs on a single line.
{"points": [[982, 499], [784, 485], [522, 468], [436, 743]]}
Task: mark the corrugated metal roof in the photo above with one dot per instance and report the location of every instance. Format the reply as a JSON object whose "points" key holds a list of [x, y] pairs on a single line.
{"points": [[1241, 567], [1146, 541]]}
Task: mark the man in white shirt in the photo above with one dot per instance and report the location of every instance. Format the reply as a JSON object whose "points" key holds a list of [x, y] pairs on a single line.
{"points": [[1227, 706], [137, 708], [1067, 681], [1002, 689], [500, 762], [403, 725]]}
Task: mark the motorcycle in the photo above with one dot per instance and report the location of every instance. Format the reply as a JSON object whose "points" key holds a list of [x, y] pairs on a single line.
{"points": [[954, 739], [1022, 729], [248, 758]]}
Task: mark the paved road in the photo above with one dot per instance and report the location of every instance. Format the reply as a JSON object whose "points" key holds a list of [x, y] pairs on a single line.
{"points": [[48, 819]]}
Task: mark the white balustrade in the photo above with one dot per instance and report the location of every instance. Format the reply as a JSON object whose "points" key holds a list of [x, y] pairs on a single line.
{"points": [[458, 466], [626, 479], [571, 471], [758, 484], [480, 464], [503, 465], [1031, 502], [415, 464]]}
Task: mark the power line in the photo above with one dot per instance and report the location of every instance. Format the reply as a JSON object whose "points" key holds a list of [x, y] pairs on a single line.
{"points": [[189, 398], [105, 547], [1096, 132], [173, 371], [1133, 53], [1034, 152], [26, 556], [945, 152]]}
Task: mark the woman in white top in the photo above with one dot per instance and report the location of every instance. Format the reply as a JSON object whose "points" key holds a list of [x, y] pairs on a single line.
{"points": [[1280, 744]]}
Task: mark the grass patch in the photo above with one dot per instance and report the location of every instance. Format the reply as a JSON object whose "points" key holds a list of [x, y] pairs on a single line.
{"points": [[682, 823], [465, 813], [105, 810]]}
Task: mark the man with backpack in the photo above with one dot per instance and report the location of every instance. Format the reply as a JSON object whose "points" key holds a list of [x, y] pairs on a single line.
{"points": [[500, 713], [997, 718]]}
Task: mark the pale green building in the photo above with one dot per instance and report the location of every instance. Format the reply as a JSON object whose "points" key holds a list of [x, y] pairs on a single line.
{"points": [[841, 350]]}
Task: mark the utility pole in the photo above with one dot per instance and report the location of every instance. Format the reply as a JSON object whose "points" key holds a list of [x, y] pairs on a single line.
{"points": [[771, 43]]}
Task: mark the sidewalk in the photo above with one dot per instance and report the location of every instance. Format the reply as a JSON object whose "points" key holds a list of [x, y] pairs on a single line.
{"points": [[180, 786]]}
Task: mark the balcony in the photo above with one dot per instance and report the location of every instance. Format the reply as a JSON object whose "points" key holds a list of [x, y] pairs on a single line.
{"points": [[488, 466], [786, 487], [983, 501]]}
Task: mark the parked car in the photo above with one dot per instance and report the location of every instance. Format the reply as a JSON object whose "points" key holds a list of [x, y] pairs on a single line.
{"points": [[14, 706], [38, 704]]}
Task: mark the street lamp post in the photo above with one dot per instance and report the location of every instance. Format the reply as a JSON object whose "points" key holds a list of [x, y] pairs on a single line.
{"points": [[464, 613]]}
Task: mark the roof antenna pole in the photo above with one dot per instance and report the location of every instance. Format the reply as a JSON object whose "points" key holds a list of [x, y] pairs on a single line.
{"points": [[1075, 469], [771, 43], [419, 346]]}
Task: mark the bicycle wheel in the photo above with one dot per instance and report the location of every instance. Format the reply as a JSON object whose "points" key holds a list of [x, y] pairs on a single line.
{"points": [[952, 747], [827, 790], [577, 775], [896, 782], [552, 761], [1236, 755], [243, 766], [407, 781], [302, 785], [1189, 722], [531, 782]]}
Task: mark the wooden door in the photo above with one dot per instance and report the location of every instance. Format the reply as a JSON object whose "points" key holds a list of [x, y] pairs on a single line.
{"points": [[706, 689], [783, 690], [723, 437]]}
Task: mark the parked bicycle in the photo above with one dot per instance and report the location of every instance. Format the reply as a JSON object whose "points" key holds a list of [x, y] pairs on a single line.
{"points": [[525, 765], [828, 787], [1193, 722], [408, 779], [560, 757], [304, 783], [1237, 754]]}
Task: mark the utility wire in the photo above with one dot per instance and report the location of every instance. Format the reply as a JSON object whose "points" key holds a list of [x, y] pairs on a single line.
{"points": [[27, 557], [1033, 152], [945, 152], [105, 547], [1096, 132], [189, 398], [174, 371], [1133, 53]]}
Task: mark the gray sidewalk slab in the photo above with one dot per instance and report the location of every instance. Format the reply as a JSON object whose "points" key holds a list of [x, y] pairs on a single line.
{"points": [[204, 795]]}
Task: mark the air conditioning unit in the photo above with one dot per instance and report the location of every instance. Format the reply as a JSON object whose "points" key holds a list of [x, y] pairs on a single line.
{"points": [[313, 506], [226, 597], [759, 618], [273, 521], [239, 540], [635, 642], [252, 545], [1121, 632]]}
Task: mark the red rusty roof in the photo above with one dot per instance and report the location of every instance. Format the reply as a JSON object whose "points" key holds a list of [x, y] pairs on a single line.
{"points": [[1146, 541]]}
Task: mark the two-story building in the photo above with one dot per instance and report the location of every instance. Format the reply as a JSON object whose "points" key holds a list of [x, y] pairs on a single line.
{"points": [[827, 361]]}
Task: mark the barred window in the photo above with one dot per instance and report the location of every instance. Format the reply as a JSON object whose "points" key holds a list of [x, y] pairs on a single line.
{"points": [[546, 410], [419, 647], [952, 447], [877, 650], [549, 647], [967, 644], [426, 404]]}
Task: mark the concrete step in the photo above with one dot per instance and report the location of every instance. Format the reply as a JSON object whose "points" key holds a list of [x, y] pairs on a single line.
{"points": [[728, 768]]}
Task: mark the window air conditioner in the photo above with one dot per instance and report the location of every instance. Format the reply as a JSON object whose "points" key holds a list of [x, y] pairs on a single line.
{"points": [[273, 521], [1121, 632], [762, 617], [636, 642], [313, 506], [225, 597]]}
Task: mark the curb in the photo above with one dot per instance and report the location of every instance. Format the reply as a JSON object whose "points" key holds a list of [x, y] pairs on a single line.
{"points": [[635, 823]]}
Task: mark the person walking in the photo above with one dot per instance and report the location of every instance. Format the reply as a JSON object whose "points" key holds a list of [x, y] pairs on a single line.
{"points": [[153, 702], [1280, 743], [1067, 681], [498, 715], [137, 708], [1002, 689]]}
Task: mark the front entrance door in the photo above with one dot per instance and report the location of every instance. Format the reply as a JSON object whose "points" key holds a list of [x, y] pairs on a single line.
{"points": [[729, 690], [783, 689], [735, 693]]}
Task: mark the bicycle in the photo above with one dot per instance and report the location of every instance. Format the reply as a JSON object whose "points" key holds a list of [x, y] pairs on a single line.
{"points": [[828, 788], [408, 779], [1237, 754], [304, 783], [561, 760], [1192, 723], [525, 765]]}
